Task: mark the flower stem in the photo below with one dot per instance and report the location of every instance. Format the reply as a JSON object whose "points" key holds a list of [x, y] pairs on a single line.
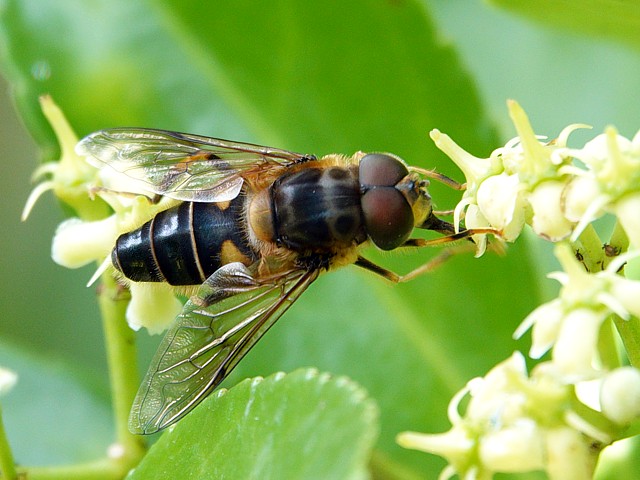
{"points": [[7, 466], [104, 469], [122, 361]]}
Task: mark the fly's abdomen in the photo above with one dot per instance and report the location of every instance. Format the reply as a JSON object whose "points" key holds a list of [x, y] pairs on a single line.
{"points": [[318, 209], [184, 245]]}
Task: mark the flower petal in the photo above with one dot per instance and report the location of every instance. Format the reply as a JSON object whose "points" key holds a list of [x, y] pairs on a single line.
{"points": [[620, 395], [576, 345], [8, 379], [500, 201], [153, 306], [548, 220], [568, 455], [517, 448], [627, 209], [77, 243]]}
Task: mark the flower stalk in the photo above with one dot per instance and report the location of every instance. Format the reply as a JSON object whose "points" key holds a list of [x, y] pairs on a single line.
{"points": [[122, 360]]}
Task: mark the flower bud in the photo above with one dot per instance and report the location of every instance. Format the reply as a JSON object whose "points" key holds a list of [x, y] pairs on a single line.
{"points": [[576, 345], [568, 455], [153, 305], [620, 395], [517, 448], [548, 220], [627, 210]]}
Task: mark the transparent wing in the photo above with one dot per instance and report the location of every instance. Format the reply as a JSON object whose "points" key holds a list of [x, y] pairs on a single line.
{"points": [[180, 165], [216, 328]]}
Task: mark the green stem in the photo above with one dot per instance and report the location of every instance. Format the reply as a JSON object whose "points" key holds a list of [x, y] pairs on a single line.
{"points": [[122, 361], [104, 469], [7, 466], [123, 376]]}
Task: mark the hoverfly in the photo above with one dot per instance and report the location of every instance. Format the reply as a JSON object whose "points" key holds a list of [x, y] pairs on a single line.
{"points": [[254, 228]]}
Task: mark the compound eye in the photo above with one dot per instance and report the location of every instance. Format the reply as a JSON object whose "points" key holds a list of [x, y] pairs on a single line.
{"points": [[380, 169], [388, 217]]}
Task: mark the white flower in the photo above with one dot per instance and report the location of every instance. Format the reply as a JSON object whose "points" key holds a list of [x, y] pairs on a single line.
{"points": [[516, 448], [520, 182], [575, 351], [547, 319], [103, 215], [548, 221], [77, 243], [626, 209], [500, 199], [572, 321], [512, 423], [8, 379], [541, 184], [153, 306], [71, 176], [612, 179], [569, 456], [620, 395], [456, 446]]}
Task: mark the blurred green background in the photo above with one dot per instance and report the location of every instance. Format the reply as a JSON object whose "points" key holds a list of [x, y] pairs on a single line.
{"points": [[317, 78]]}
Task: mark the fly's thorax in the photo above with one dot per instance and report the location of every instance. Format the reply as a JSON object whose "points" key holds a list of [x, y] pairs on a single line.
{"points": [[314, 208]]}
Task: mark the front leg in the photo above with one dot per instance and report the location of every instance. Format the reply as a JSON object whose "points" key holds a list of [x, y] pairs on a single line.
{"points": [[428, 267]]}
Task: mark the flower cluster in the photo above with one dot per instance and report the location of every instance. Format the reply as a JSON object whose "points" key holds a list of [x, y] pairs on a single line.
{"points": [[530, 182], [560, 416], [513, 423], [571, 323], [103, 215]]}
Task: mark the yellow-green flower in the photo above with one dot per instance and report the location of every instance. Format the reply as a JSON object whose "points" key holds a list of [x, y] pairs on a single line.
{"points": [[513, 423], [571, 323], [610, 183], [104, 213]]}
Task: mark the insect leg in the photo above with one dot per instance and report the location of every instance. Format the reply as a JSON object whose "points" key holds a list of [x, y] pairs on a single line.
{"points": [[431, 265], [454, 237], [154, 198], [377, 269]]}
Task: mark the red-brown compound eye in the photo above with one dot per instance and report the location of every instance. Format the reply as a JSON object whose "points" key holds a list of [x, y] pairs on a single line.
{"points": [[380, 169], [388, 217]]}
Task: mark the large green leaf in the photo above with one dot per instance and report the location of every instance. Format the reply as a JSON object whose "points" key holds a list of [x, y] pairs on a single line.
{"points": [[302, 425], [312, 77], [614, 19]]}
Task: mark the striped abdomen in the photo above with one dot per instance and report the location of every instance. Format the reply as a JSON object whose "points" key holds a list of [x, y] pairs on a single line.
{"points": [[185, 244]]}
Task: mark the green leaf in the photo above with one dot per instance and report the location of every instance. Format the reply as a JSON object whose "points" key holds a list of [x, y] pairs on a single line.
{"points": [[50, 416], [612, 19], [301, 425]]}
